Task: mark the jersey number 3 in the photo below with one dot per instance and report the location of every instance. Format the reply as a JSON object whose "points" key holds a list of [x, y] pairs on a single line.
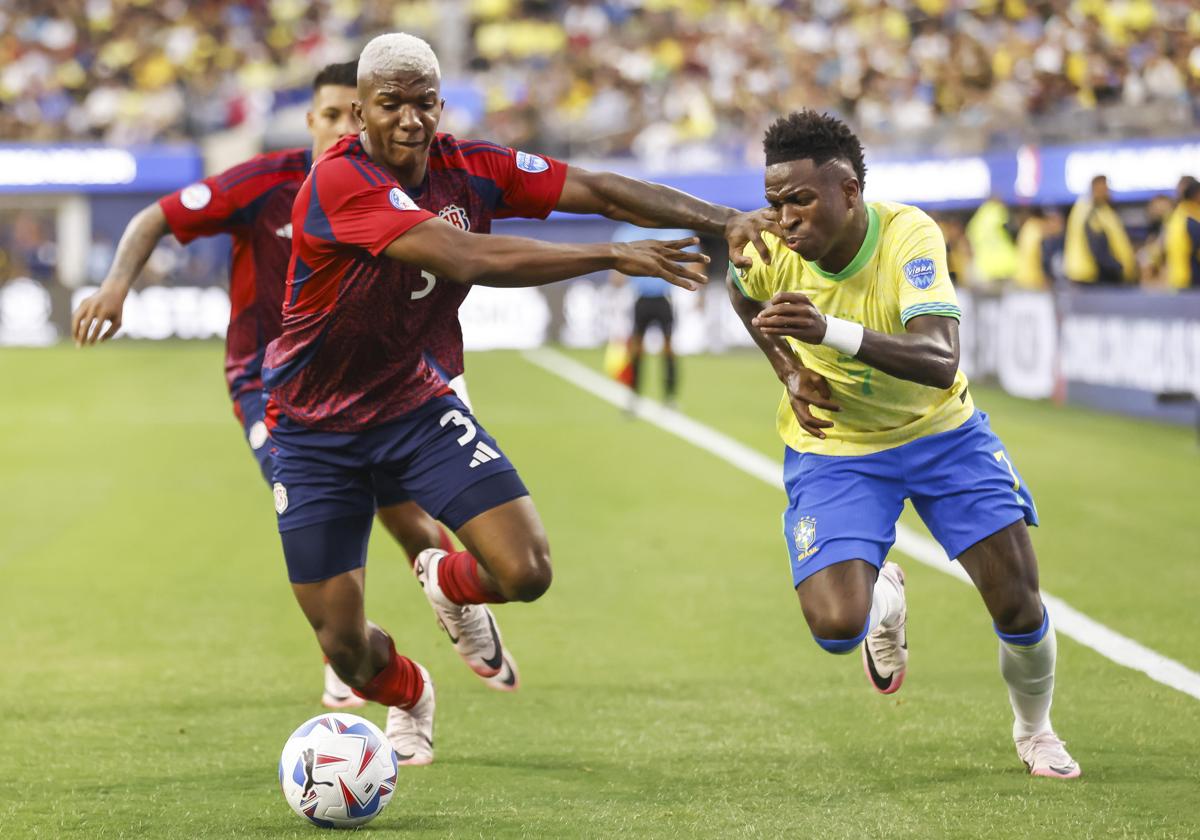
{"points": [[430, 282]]}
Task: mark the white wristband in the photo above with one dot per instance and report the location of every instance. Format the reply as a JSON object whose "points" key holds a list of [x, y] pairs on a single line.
{"points": [[844, 336]]}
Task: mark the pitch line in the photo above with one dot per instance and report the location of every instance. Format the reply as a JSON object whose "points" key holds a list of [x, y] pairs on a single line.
{"points": [[1067, 620]]}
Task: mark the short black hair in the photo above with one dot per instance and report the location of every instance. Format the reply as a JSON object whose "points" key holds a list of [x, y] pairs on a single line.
{"points": [[1191, 189], [1097, 179], [808, 135], [342, 75]]}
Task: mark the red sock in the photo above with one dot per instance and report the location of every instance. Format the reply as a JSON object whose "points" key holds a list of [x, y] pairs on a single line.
{"points": [[444, 543], [458, 576], [399, 683]]}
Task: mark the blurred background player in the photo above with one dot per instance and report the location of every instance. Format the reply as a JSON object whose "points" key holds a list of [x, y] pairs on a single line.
{"points": [[352, 396], [651, 308], [253, 203], [1181, 239], [1097, 250], [859, 320]]}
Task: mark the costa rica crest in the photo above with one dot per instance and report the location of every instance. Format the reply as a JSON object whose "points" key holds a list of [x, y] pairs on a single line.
{"points": [[456, 216]]}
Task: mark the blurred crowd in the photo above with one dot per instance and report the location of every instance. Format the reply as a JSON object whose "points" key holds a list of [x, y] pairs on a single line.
{"points": [[1093, 244], [692, 81]]}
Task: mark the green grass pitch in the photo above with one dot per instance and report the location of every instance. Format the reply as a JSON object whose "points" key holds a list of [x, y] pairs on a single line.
{"points": [[155, 661]]}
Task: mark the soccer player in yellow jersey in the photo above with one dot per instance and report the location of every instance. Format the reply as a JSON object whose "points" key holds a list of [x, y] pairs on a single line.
{"points": [[856, 313]]}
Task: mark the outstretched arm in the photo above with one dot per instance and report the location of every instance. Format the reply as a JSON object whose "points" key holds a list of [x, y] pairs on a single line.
{"points": [[646, 204], [804, 387], [137, 243], [512, 261], [926, 354]]}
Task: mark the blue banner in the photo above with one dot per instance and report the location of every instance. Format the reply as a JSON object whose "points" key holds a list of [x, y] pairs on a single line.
{"points": [[97, 169]]}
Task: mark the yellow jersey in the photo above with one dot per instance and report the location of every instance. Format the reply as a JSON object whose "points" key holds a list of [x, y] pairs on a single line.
{"points": [[899, 273], [1182, 235]]}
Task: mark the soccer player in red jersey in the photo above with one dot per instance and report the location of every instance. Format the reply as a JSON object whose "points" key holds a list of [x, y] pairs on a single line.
{"points": [[352, 395], [253, 203]]}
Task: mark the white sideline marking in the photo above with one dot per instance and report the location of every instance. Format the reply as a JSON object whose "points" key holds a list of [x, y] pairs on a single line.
{"points": [[1067, 620]]}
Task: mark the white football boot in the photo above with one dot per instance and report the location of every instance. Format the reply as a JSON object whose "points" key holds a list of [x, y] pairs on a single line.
{"points": [[337, 694], [885, 650], [410, 731], [471, 627], [1045, 754]]}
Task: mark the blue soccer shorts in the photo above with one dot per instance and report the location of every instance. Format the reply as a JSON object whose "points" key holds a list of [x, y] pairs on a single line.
{"points": [[326, 483], [251, 410], [962, 483]]}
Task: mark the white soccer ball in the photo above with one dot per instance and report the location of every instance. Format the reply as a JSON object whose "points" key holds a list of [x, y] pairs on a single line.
{"points": [[338, 771]]}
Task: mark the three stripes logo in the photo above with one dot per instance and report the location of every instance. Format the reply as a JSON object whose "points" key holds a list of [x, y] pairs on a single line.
{"points": [[483, 454]]}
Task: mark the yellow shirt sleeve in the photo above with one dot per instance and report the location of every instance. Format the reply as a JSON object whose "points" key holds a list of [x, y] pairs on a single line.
{"points": [[922, 275], [758, 281]]}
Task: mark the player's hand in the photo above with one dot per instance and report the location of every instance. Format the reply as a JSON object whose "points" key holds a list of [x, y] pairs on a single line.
{"points": [[749, 227], [87, 322], [794, 315], [668, 260], [807, 388]]}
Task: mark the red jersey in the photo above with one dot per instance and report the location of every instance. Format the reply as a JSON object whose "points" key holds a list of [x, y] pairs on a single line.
{"points": [[253, 203], [356, 324]]}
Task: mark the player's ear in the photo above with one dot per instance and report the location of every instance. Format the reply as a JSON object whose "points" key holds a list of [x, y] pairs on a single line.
{"points": [[851, 190], [356, 109], [308, 119]]}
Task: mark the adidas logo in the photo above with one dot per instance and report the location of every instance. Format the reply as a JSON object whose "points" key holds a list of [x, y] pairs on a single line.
{"points": [[483, 453]]}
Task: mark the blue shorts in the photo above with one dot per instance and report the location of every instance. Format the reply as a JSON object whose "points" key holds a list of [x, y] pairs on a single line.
{"points": [[962, 483], [252, 410], [438, 455]]}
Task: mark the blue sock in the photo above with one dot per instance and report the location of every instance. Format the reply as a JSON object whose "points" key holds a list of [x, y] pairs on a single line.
{"points": [[843, 645]]}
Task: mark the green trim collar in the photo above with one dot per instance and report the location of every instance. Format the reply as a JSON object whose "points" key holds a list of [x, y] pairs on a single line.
{"points": [[865, 252]]}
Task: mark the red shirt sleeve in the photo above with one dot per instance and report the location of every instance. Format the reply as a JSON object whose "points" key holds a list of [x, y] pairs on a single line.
{"points": [[221, 203], [530, 184], [199, 209], [359, 207]]}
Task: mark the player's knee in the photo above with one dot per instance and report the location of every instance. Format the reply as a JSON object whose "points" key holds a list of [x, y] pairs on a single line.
{"points": [[838, 631], [528, 579], [1020, 615]]}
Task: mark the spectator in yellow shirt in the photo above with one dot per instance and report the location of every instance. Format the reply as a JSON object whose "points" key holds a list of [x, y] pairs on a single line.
{"points": [[1097, 249], [1038, 240], [1182, 238]]}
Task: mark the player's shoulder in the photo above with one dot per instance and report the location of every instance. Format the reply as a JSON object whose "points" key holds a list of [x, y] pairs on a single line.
{"points": [[450, 152], [346, 168], [283, 165], [898, 218], [902, 225]]}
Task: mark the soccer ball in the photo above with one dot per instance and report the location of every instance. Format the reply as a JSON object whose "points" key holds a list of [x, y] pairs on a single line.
{"points": [[338, 771]]}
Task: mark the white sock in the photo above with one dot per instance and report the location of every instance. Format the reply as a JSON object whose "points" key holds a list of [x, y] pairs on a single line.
{"points": [[886, 604], [1029, 672]]}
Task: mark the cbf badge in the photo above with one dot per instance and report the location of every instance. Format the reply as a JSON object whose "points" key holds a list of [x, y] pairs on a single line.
{"points": [[804, 535], [531, 163], [920, 273]]}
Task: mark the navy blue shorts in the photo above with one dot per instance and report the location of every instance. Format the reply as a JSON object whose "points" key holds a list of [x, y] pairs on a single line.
{"points": [[437, 455], [962, 483], [251, 409]]}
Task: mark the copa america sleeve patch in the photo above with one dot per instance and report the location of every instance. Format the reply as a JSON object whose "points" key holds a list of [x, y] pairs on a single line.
{"points": [[920, 272], [400, 199], [196, 196], [531, 163]]}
